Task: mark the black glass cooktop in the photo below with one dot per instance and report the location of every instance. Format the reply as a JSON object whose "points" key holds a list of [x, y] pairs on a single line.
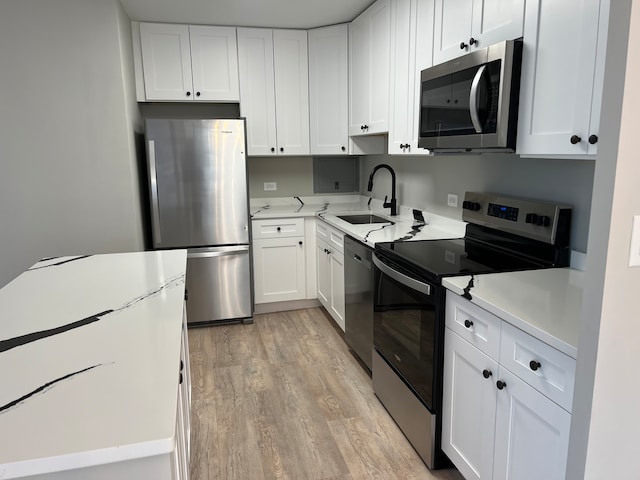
{"points": [[433, 259]]}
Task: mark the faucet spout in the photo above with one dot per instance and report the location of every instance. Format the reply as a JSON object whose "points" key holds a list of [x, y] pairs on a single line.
{"points": [[392, 203]]}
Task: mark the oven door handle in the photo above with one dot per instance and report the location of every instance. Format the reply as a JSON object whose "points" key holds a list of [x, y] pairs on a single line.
{"points": [[401, 278]]}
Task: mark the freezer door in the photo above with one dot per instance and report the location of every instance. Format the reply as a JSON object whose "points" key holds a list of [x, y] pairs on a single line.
{"points": [[198, 182], [219, 284]]}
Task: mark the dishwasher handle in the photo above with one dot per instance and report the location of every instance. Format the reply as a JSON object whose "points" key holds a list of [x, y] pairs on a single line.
{"points": [[401, 278]]}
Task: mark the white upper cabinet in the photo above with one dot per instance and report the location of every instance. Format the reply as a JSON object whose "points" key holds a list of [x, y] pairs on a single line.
{"points": [[328, 90], [214, 63], [462, 26], [189, 63], [291, 62], [561, 89], [274, 90], [411, 52], [369, 57], [257, 89]]}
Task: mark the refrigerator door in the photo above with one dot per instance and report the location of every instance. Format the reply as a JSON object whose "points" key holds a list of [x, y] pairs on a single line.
{"points": [[219, 284], [198, 182]]}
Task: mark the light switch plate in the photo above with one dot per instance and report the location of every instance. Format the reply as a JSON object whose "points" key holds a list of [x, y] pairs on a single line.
{"points": [[634, 253], [452, 200], [270, 186]]}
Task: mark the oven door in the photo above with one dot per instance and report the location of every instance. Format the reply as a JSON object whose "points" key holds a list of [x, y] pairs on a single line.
{"points": [[407, 330]]}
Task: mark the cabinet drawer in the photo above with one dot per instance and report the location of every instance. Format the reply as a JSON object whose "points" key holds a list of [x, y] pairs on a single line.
{"points": [[474, 324], [333, 236], [546, 369], [278, 227]]}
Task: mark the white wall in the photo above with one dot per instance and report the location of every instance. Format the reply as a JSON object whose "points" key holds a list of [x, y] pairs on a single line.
{"points": [[68, 179]]}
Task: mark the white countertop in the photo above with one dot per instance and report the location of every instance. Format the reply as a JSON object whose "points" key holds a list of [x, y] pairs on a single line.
{"points": [[89, 355], [546, 303], [329, 208]]}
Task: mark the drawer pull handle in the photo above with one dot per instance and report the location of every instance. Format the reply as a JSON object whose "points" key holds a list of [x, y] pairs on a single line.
{"points": [[487, 373], [500, 384], [468, 323], [534, 365], [278, 228]]}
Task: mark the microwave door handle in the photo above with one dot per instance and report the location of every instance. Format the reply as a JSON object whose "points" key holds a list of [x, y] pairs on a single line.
{"points": [[473, 99]]}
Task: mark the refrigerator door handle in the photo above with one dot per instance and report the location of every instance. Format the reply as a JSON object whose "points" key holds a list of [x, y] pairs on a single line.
{"points": [[219, 252], [154, 194]]}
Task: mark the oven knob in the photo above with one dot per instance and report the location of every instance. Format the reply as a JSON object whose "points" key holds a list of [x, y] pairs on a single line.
{"points": [[466, 205], [531, 218], [544, 221], [475, 206]]}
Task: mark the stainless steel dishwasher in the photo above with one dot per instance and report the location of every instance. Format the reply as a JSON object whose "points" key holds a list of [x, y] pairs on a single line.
{"points": [[358, 280]]}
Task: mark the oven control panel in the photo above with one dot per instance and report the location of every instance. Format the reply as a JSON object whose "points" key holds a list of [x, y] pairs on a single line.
{"points": [[543, 221]]}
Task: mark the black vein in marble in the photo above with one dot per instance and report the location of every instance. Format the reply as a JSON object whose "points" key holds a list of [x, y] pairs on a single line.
{"points": [[468, 288], [366, 237], [415, 229], [264, 207], [58, 263], [44, 388], [14, 342], [35, 336]]}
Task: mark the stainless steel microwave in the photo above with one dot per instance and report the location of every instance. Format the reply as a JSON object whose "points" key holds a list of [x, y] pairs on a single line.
{"points": [[471, 103]]}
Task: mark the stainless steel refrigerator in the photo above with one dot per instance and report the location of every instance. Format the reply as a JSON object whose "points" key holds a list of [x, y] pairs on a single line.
{"points": [[199, 201]]}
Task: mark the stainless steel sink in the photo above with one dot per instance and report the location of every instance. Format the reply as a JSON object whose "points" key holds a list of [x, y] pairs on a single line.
{"points": [[363, 219]]}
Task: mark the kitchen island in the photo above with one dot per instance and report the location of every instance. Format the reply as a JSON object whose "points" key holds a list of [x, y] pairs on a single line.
{"points": [[94, 366]]}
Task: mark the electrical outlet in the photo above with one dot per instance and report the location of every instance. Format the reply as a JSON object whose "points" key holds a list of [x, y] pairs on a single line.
{"points": [[270, 186], [452, 200], [634, 254]]}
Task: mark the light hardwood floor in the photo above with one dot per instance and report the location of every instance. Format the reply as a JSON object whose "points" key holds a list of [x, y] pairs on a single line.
{"points": [[283, 398]]}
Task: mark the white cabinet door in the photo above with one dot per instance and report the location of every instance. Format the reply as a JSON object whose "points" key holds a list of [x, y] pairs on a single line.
{"points": [[454, 19], [559, 75], [411, 52], [323, 268], [359, 67], [496, 20], [337, 288], [402, 81], [279, 269], [291, 66], [328, 90], [532, 433], [380, 25], [166, 61], [369, 57], [257, 89], [214, 63], [469, 407], [464, 25]]}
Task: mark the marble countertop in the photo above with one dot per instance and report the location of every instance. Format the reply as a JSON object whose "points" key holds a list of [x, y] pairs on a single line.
{"points": [[546, 304], [89, 355], [403, 228]]}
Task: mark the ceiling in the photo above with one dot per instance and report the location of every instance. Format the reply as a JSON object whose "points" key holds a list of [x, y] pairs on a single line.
{"points": [[248, 13]]}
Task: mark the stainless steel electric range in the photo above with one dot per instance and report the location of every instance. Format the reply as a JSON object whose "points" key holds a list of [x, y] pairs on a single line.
{"points": [[503, 234]]}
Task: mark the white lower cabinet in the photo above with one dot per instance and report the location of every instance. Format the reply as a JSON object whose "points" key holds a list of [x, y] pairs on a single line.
{"points": [[330, 270], [279, 260], [496, 425]]}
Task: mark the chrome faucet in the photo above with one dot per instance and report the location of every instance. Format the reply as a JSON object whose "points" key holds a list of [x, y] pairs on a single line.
{"points": [[392, 203]]}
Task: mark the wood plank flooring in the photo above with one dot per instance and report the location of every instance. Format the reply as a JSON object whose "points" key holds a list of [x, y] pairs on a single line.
{"points": [[283, 398]]}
